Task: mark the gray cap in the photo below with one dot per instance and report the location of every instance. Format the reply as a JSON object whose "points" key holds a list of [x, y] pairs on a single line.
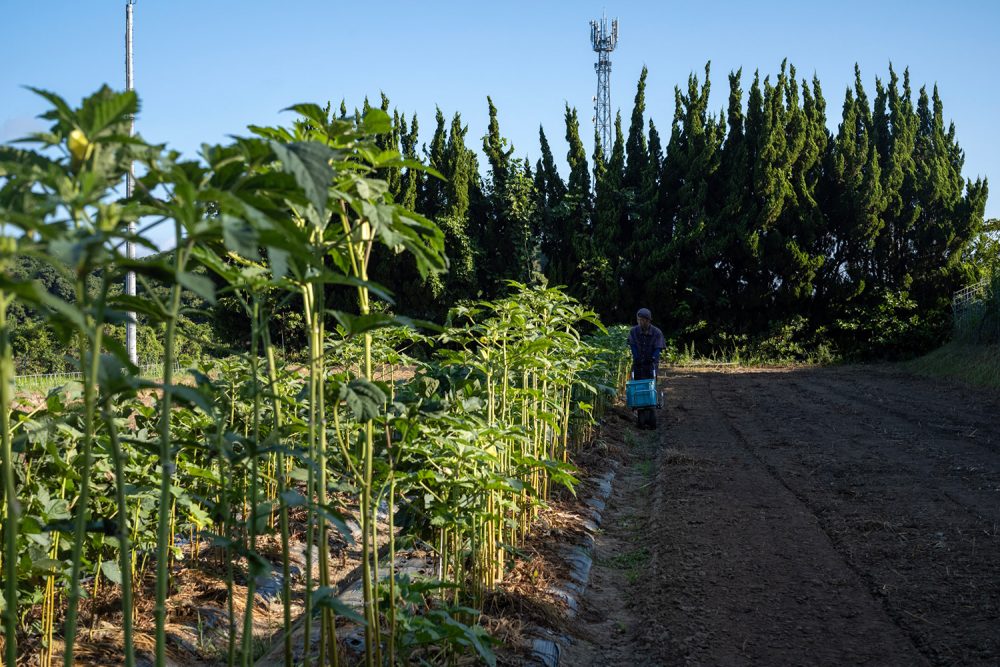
{"points": [[644, 312]]}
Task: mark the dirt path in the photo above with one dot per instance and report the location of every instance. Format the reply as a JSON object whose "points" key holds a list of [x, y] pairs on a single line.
{"points": [[803, 517], [610, 622]]}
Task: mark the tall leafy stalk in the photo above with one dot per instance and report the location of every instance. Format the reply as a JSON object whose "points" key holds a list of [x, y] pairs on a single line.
{"points": [[167, 468], [11, 508], [124, 539]]}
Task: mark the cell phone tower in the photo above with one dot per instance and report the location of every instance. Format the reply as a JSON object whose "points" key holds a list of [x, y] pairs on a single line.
{"points": [[604, 41]]}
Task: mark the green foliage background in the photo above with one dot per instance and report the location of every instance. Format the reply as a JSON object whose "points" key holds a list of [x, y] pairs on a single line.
{"points": [[753, 225]]}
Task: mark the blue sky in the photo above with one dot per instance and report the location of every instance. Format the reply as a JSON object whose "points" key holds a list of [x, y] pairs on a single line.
{"points": [[204, 70]]}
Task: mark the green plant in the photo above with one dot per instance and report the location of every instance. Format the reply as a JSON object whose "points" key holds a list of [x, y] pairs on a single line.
{"points": [[109, 474]]}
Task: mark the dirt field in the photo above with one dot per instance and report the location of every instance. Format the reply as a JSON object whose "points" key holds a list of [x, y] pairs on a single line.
{"points": [[841, 516]]}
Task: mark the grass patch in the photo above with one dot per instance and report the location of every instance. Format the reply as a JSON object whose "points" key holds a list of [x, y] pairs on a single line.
{"points": [[633, 562], [977, 365]]}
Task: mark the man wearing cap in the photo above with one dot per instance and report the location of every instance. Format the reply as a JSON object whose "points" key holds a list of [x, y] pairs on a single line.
{"points": [[646, 342]]}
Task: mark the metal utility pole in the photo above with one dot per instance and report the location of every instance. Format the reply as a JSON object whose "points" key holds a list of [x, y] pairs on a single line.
{"points": [[604, 41], [130, 345]]}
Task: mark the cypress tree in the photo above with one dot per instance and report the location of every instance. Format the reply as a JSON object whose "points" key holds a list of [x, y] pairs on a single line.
{"points": [[461, 179], [505, 224], [496, 149], [553, 234], [850, 292], [685, 279], [811, 197], [634, 205], [792, 260], [734, 221], [391, 141], [413, 294], [609, 236], [747, 219], [578, 210], [636, 151], [411, 178], [949, 219], [432, 198], [655, 164], [896, 130]]}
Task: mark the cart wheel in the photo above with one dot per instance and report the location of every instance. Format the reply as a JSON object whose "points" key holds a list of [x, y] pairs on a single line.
{"points": [[646, 418]]}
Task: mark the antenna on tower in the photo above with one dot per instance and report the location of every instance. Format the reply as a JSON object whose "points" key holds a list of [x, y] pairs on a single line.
{"points": [[604, 41], [130, 346]]}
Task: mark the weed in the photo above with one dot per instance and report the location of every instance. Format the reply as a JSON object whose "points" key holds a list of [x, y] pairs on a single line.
{"points": [[633, 562]]}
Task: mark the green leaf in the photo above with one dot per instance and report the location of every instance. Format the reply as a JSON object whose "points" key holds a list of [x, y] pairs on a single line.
{"points": [[278, 259], [334, 517], [35, 292], [239, 236], [106, 108], [324, 596], [17, 157], [376, 121], [192, 396], [293, 499], [110, 569], [364, 399], [136, 304], [200, 285], [47, 565], [309, 163], [358, 324], [310, 111], [65, 112]]}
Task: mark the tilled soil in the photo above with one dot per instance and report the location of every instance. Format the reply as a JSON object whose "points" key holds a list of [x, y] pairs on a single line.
{"points": [[807, 516]]}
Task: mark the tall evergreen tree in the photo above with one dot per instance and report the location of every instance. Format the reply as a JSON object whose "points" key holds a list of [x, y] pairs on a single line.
{"points": [[635, 204], [609, 235], [636, 150], [951, 211], [791, 257], [856, 220], [411, 178], [551, 214], [432, 197], [578, 208], [734, 220], [461, 185], [505, 226], [686, 282]]}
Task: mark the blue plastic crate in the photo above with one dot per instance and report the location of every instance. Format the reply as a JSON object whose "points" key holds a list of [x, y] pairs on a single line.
{"points": [[641, 394]]}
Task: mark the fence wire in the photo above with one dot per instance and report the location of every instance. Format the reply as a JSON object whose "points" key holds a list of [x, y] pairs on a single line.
{"points": [[39, 380], [976, 312]]}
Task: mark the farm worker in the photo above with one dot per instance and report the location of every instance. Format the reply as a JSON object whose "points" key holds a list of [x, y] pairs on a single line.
{"points": [[646, 342]]}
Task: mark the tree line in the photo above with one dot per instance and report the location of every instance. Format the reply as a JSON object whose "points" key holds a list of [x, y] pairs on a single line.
{"points": [[746, 223], [753, 225]]}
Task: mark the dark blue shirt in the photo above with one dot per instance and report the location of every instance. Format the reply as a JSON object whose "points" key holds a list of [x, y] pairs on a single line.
{"points": [[646, 347]]}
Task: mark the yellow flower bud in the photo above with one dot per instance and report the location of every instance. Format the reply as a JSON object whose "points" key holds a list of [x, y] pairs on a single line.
{"points": [[79, 146]]}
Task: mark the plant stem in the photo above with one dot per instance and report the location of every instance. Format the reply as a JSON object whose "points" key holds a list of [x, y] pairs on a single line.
{"points": [[124, 541], [307, 299], [252, 516], [286, 574], [91, 355], [12, 515], [163, 539]]}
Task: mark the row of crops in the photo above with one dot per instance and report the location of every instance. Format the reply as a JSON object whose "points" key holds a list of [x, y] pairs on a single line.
{"points": [[453, 435]]}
